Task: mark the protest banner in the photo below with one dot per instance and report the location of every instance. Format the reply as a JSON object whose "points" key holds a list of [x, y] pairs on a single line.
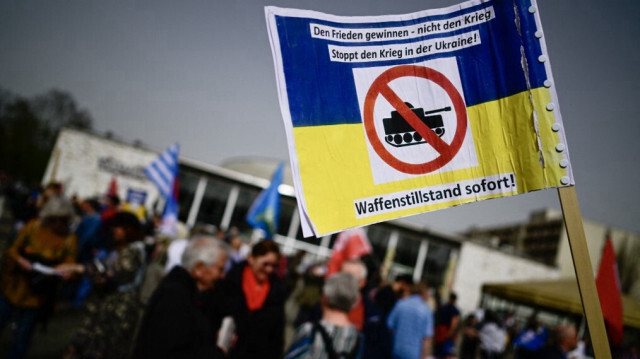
{"points": [[390, 116]]}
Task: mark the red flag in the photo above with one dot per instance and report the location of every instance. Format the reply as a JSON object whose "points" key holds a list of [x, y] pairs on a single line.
{"points": [[350, 244], [608, 285], [113, 187]]}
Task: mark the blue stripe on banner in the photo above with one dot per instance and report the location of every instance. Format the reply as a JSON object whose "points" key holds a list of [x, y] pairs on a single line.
{"points": [[322, 92]]}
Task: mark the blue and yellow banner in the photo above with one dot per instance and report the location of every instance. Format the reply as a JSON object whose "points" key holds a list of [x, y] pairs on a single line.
{"points": [[390, 116]]}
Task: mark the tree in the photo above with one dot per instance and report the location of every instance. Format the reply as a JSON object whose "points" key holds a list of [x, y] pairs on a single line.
{"points": [[28, 128], [57, 108]]}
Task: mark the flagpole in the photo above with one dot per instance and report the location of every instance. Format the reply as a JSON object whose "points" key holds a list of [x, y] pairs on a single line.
{"points": [[584, 271]]}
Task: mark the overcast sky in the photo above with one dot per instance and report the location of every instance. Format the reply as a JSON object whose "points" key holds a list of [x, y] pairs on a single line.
{"points": [[201, 73]]}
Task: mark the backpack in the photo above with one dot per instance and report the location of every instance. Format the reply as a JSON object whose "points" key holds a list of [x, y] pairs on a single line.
{"points": [[328, 344], [301, 347]]}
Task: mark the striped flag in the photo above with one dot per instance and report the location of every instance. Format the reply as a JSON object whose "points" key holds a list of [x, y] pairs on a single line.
{"points": [[163, 172]]}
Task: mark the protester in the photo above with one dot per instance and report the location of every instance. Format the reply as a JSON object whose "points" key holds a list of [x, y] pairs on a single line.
{"points": [[366, 315], [112, 314], [175, 324], [239, 249], [359, 271], [387, 296], [155, 270], [510, 325], [564, 341], [377, 335], [334, 336], [22, 203], [259, 297], [51, 190], [469, 343], [88, 233], [411, 323], [532, 337], [492, 337], [309, 297], [23, 288], [88, 229], [447, 319]]}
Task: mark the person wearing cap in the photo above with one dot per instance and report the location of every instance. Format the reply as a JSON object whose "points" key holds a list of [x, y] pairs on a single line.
{"points": [[43, 244]]}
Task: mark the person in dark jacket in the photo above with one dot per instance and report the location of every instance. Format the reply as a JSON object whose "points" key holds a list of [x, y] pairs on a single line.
{"points": [[565, 340], [176, 323], [259, 296]]}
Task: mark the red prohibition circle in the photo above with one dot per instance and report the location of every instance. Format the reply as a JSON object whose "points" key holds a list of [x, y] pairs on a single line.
{"points": [[381, 87]]}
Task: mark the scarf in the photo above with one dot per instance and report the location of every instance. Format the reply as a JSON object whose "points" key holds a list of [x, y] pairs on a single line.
{"points": [[256, 293]]}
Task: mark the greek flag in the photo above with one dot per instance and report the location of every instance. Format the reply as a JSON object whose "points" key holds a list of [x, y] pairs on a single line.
{"points": [[164, 170]]}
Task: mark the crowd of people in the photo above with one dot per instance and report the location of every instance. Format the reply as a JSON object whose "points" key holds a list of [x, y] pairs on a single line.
{"points": [[212, 294]]}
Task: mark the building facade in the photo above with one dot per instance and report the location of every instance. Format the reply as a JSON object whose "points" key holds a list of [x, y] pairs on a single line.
{"points": [[86, 164], [543, 239]]}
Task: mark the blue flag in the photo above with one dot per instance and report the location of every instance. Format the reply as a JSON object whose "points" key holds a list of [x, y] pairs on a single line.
{"points": [[265, 210], [163, 172]]}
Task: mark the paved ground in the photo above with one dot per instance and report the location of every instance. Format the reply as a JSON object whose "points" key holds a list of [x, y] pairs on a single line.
{"points": [[50, 343]]}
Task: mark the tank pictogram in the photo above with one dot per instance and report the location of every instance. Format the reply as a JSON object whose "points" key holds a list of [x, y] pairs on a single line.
{"points": [[399, 133]]}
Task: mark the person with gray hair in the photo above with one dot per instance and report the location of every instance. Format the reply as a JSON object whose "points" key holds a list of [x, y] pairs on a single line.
{"points": [[201, 249], [175, 324], [334, 336], [339, 294], [358, 270]]}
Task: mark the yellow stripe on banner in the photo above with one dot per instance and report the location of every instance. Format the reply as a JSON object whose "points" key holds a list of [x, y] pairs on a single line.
{"points": [[335, 169]]}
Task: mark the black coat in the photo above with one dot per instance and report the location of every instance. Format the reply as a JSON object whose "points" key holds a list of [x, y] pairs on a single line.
{"points": [[175, 324], [551, 352], [260, 333]]}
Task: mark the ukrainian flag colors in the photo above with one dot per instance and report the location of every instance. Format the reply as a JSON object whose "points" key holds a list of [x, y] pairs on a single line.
{"points": [[507, 145], [328, 66]]}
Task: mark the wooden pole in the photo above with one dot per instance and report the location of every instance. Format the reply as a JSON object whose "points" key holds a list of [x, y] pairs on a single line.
{"points": [[584, 271]]}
